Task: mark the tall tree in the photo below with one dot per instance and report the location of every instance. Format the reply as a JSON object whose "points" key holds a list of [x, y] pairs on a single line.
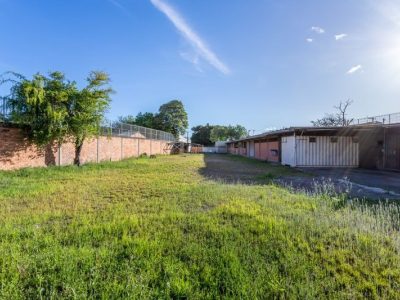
{"points": [[86, 110], [339, 118], [227, 133], [172, 118], [202, 135], [55, 110]]}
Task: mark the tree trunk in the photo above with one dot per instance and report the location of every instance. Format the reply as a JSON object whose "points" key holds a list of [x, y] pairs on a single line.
{"points": [[78, 150]]}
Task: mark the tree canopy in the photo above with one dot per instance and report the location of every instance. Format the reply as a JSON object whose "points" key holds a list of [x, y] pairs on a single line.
{"points": [[171, 117], [142, 119], [209, 134], [56, 110], [201, 134]]}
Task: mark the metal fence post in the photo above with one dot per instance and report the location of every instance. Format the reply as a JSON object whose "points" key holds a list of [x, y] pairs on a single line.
{"points": [[59, 154]]}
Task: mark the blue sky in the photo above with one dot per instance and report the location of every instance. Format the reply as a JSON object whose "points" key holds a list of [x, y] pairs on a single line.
{"points": [[263, 64]]}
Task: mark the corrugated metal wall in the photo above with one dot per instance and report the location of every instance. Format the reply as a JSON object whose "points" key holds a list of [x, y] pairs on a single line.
{"points": [[326, 153]]}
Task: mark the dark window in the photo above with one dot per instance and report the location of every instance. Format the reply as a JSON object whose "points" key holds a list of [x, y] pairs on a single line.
{"points": [[312, 139], [274, 152], [334, 139], [380, 143]]}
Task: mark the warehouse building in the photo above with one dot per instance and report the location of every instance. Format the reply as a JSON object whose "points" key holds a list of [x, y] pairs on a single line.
{"points": [[374, 146]]}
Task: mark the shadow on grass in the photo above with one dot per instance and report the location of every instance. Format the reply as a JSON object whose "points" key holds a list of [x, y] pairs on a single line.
{"points": [[233, 169]]}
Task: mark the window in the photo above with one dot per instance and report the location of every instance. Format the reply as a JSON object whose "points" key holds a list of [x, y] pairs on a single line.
{"points": [[356, 139], [274, 152], [334, 139], [312, 139], [284, 140]]}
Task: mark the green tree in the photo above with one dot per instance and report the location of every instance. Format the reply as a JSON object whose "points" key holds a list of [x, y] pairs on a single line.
{"points": [[129, 119], [142, 119], [55, 110], [226, 133], [86, 110], [172, 118], [201, 134]]}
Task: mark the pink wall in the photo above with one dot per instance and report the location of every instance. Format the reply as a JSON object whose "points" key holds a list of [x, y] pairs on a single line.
{"points": [[17, 152]]}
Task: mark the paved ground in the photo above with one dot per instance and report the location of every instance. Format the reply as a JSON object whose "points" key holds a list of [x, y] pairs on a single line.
{"points": [[358, 183]]}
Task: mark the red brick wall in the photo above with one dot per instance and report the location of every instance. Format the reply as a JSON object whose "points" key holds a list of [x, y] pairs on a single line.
{"points": [[16, 152]]}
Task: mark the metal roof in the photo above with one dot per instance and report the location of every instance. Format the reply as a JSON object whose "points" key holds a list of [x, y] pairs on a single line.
{"points": [[304, 129]]}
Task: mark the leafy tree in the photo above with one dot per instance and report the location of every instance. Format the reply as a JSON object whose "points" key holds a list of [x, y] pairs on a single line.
{"points": [[142, 119], [129, 119], [146, 120], [202, 135], [225, 133], [336, 119], [172, 118], [86, 110], [55, 110]]}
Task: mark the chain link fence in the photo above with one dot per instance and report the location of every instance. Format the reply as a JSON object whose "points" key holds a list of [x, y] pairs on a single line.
{"points": [[382, 119], [110, 128], [4, 111]]}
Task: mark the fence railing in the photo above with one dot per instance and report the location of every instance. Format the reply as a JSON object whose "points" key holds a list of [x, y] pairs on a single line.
{"points": [[4, 111], [382, 119], [127, 130], [111, 128]]}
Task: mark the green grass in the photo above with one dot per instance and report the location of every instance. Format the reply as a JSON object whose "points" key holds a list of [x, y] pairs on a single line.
{"points": [[156, 228]]}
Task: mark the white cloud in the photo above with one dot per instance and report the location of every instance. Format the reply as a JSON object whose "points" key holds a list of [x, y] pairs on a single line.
{"points": [[192, 37], [310, 40], [318, 29], [354, 69], [341, 36], [120, 6]]}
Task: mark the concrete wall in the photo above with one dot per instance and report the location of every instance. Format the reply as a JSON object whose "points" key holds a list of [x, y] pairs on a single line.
{"points": [[17, 152]]}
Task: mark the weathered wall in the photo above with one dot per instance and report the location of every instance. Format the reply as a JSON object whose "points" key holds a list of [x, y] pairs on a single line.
{"points": [[17, 152], [268, 151]]}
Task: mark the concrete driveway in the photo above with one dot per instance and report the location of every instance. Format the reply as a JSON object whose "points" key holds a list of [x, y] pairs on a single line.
{"points": [[359, 183]]}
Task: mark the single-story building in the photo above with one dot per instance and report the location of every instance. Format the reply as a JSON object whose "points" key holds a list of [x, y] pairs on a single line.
{"points": [[367, 145]]}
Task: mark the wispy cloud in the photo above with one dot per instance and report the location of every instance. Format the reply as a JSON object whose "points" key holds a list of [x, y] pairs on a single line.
{"points": [[317, 29], [354, 69], [192, 37], [120, 6], [341, 36], [309, 40]]}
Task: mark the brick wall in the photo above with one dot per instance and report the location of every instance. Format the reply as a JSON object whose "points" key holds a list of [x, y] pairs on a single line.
{"points": [[17, 152]]}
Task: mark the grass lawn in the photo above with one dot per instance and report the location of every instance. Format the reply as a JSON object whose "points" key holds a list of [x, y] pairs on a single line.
{"points": [[169, 228]]}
